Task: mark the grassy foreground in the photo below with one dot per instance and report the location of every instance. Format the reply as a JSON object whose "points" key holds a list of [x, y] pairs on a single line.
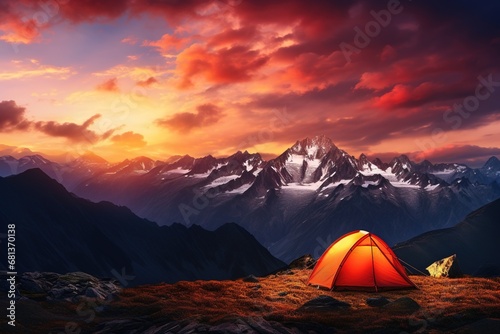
{"points": [[445, 305]]}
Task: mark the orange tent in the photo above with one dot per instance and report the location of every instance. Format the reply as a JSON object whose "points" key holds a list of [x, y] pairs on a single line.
{"points": [[359, 260]]}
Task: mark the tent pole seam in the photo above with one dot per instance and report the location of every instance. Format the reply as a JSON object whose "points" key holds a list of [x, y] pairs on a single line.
{"points": [[320, 259], [373, 263], [345, 258]]}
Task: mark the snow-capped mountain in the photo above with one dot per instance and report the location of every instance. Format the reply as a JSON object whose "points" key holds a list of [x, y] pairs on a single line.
{"points": [[160, 191], [300, 201], [10, 165], [139, 165], [70, 173]]}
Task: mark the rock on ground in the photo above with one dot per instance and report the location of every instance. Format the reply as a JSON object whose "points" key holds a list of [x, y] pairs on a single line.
{"points": [[70, 287], [323, 303], [402, 305], [234, 326], [377, 301]]}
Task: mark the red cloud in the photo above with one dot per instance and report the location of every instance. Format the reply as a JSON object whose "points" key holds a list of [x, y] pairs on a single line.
{"points": [[206, 114], [389, 52], [373, 80], [22, 21], [175, 10], [470, 154], [110, 85], [312, 71], [17, 31], [397, 97], [241, 36], [90, 10], [73, 132], [12, 117], [316, 18], [169, 43], [15, 26], [146, 83], [400, 68], [129, 139], [404, 96], [222, 66]]}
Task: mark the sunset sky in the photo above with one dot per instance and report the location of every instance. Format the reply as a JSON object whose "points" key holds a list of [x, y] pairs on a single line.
{"points": [[127, 78]]}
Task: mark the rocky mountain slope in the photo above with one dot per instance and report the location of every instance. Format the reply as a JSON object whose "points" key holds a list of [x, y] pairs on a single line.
{"points": [[59, 232], [474, 241]]}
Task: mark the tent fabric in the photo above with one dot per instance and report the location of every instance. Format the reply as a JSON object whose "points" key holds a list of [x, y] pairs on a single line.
{"points": [[359, 260]]}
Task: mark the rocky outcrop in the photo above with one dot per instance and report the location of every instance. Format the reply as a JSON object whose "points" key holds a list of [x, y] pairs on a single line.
{"points": [[240, 325], [303, 262], [323, 303], [377, 301], [71, 287], [403, 305]]}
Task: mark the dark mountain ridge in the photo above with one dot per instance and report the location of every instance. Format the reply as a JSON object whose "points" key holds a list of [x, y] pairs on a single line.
{"points": [[57, 231], [474, 241]]}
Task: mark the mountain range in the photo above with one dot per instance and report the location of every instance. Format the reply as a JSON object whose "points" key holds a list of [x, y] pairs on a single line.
{"points": [[60, 232], [294, 204]]}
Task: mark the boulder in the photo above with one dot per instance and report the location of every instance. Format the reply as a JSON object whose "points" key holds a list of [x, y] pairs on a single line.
{"points": [[93, 293], [447, 267], [70, 287], [324, 303], [30, 285], [303, 262], [226, 326], [251, 279], [404, 305], [377, 301]]}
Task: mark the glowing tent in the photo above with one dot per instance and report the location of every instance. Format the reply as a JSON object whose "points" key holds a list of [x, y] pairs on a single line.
{"points": [[359, 260]]}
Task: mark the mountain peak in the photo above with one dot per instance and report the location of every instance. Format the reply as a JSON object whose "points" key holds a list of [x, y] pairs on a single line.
{"points": [[492, 163], [35, 177], [426, 163], [34, 160], [314, 148], [33, 173], [402, 161], [142, 159], [91, 157]]}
